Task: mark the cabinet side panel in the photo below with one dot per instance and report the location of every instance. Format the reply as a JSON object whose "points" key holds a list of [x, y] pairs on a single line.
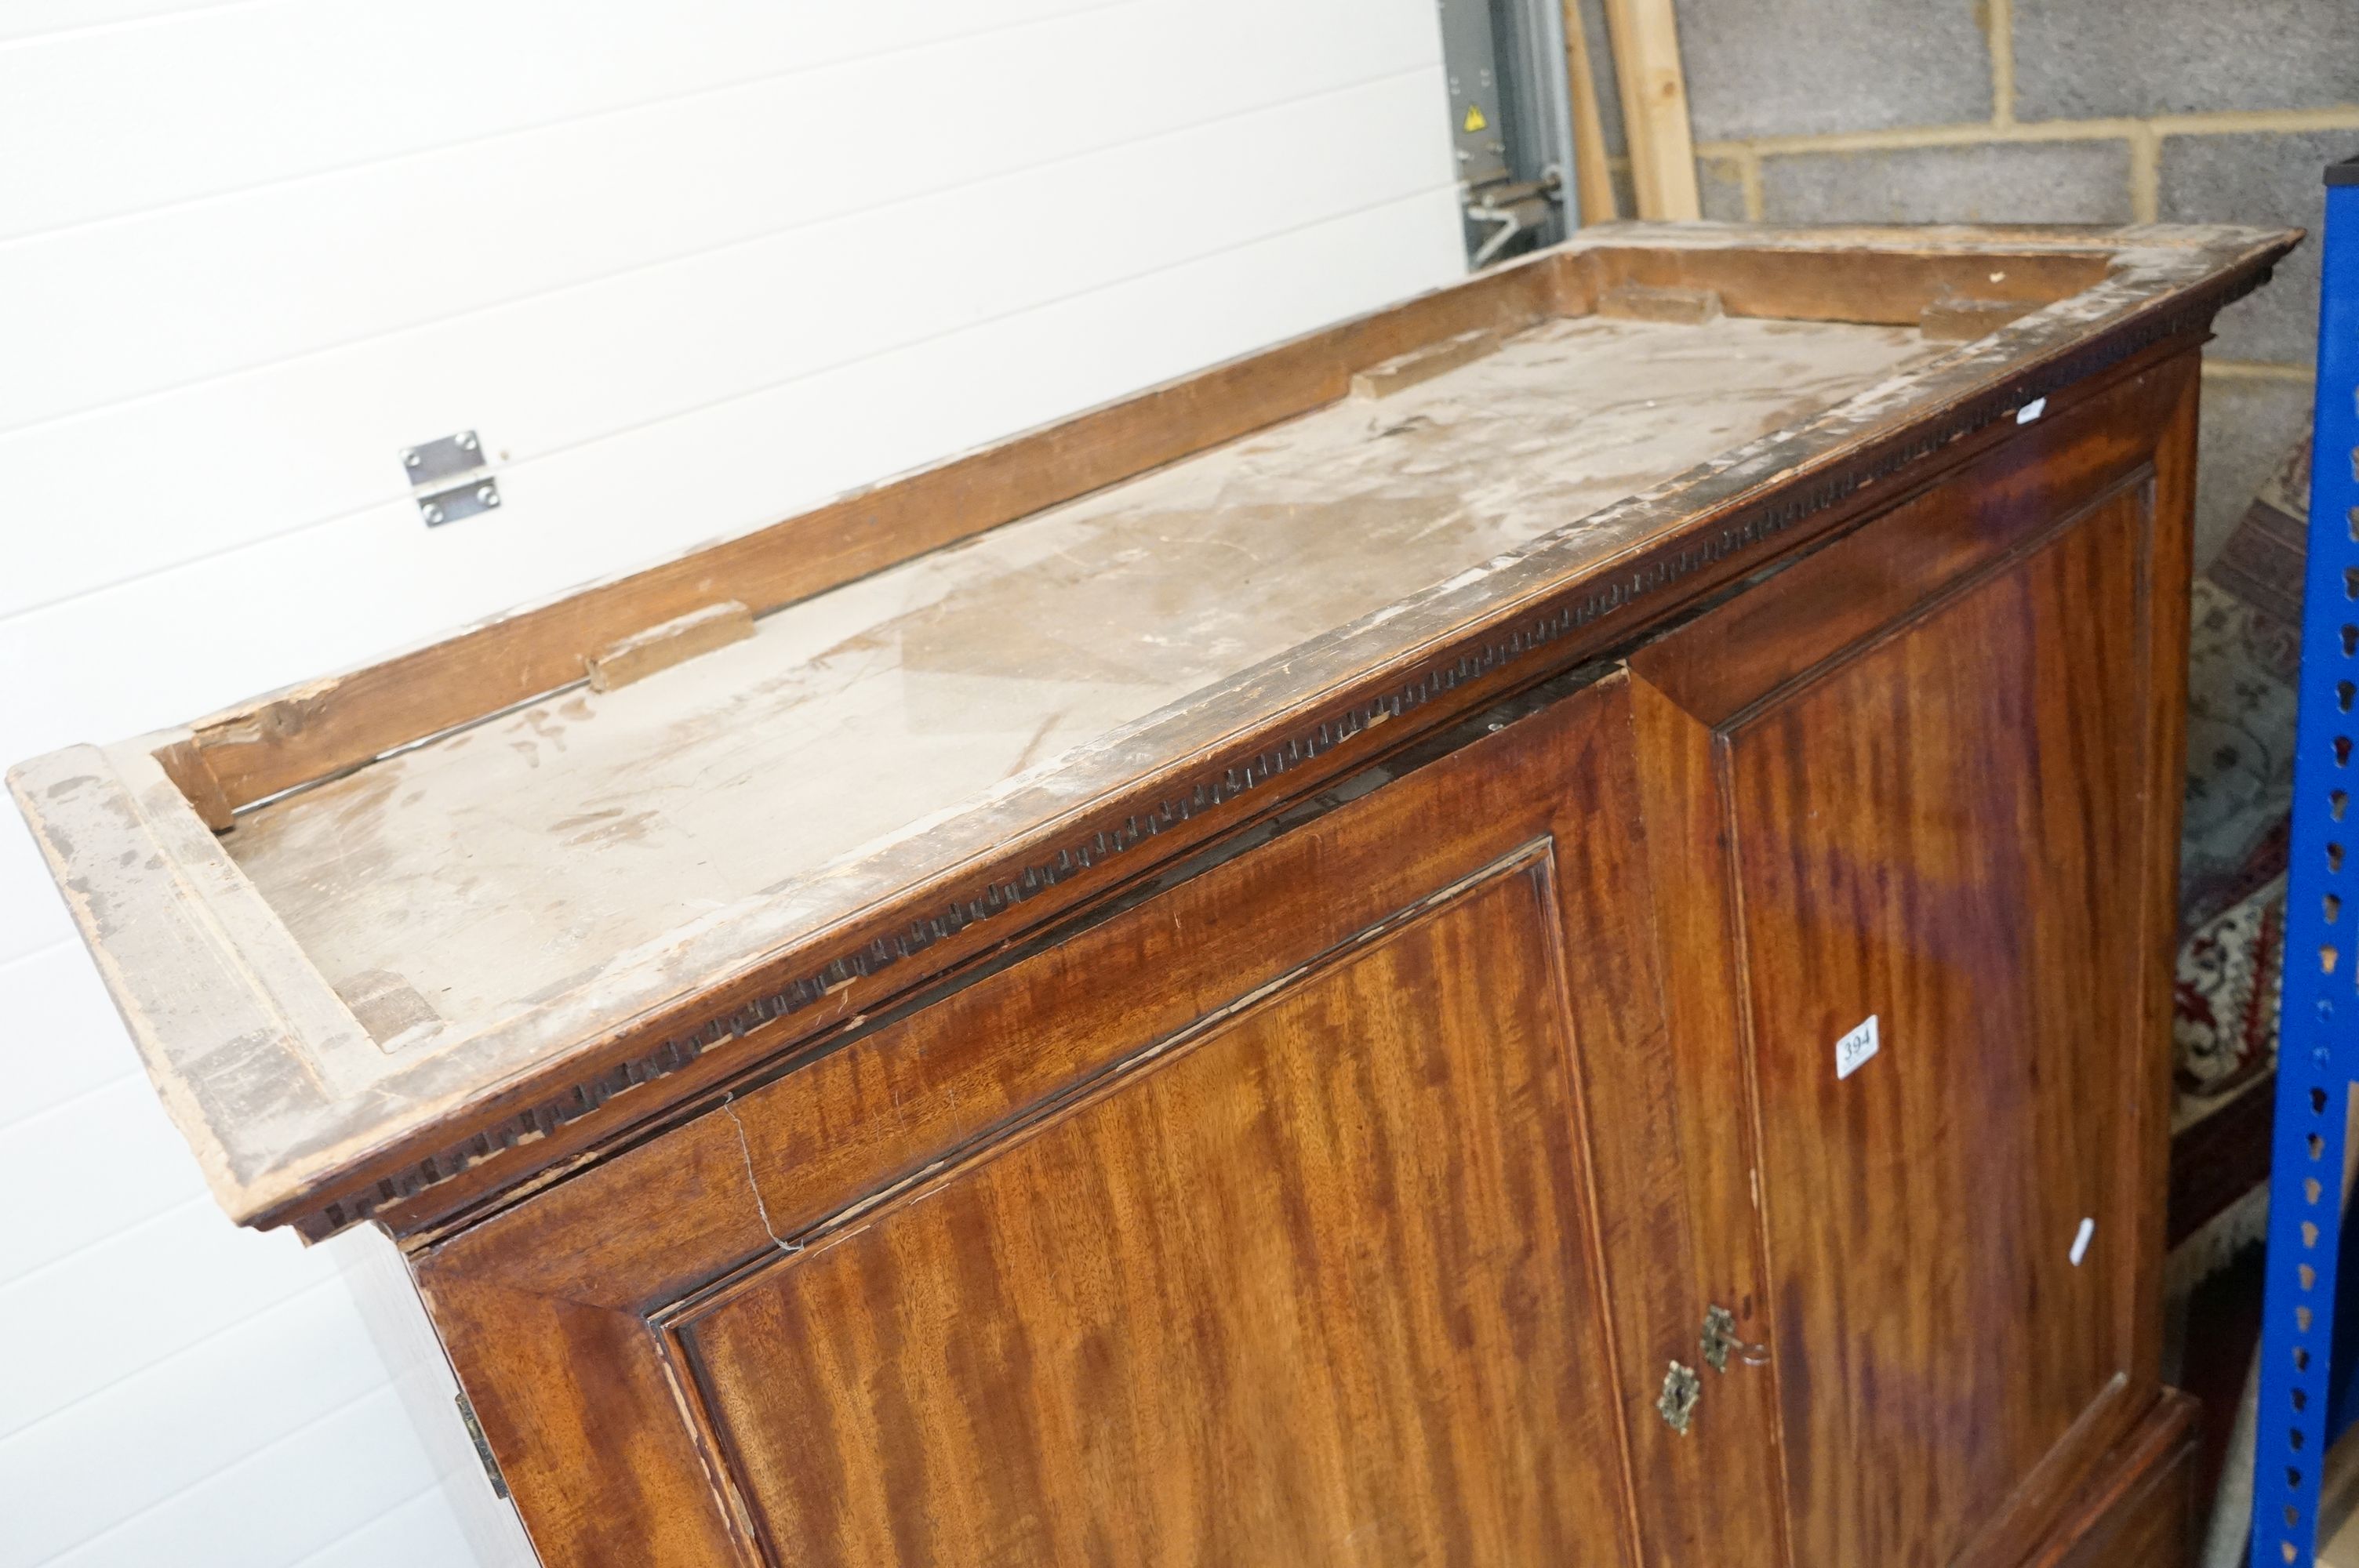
{"points": [[1314, 1288]]}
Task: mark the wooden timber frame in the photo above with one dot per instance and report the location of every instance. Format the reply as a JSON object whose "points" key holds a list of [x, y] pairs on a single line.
{"points": [[1654, 92], [299, 1118]]}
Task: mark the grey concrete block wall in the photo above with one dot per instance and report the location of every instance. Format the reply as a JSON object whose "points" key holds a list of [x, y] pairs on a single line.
{"points": [[2084, 59], [1985, 182], [2248, 422], [1720, 187], [2048, 110], [2262, 178], [1775, 68]]}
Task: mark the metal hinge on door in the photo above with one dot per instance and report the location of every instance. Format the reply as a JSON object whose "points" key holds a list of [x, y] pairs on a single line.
{"points": [[1719, 1338], [449, 478], [1682, 1389]]}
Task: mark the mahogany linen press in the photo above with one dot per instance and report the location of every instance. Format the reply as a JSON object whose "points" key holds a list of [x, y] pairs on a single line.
{"points": [[1532, 929]]}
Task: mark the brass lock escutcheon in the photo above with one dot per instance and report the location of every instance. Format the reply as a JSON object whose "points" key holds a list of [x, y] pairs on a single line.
{"points": [[1681, 1389]]}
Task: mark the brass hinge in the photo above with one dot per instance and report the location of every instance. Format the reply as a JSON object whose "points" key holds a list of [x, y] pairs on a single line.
{"points": [[483, 1449], [1681, 1389], [1719, 1338]]}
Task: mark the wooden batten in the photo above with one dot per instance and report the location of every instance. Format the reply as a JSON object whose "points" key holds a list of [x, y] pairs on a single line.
{"points": [[1639, 302], [1836, 283], [183, 762], [1420, 365], [1654, 109], [674, 642]]}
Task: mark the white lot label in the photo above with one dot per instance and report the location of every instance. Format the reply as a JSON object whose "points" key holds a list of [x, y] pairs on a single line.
{"points": [[1853, 1049]]}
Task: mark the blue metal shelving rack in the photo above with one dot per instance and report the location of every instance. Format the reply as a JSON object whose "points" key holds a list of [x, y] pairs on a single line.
{"points": [[2302, 1410]]}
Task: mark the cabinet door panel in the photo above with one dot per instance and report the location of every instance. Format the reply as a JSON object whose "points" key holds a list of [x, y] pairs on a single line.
{"points": [[1925, 777], [1256, 1223], [1313, 1287], [1940, 835]]}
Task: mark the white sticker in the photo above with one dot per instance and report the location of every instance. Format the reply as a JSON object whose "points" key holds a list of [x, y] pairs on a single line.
{"points": [[2080, 1242], [1853, 1049], [2031, 410]]}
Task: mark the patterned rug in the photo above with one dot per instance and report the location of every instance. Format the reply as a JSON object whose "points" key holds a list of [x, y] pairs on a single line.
{"points": [[2244, 656]]}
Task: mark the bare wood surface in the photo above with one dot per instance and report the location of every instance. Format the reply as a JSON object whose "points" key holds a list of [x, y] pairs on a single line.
{"points": [[1836, 282], [472, 1111], [208, 982], [674, 642], [1643, 302], [1959, 320], [183, 762], [495, 867], [1880, 275], [1420, 365], [1654, 108], [458, 1183], [310, 730]]}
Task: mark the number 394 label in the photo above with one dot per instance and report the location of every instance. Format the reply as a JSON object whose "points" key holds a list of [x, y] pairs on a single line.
{"points": [[1853, 1049]]}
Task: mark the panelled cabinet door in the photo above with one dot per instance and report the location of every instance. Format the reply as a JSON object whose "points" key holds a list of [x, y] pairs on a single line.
{"points": [[1256, 1223], [1927, 778]]}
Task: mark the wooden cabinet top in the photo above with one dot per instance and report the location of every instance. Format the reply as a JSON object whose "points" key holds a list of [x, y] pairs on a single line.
{"points": [[435, 922]]}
